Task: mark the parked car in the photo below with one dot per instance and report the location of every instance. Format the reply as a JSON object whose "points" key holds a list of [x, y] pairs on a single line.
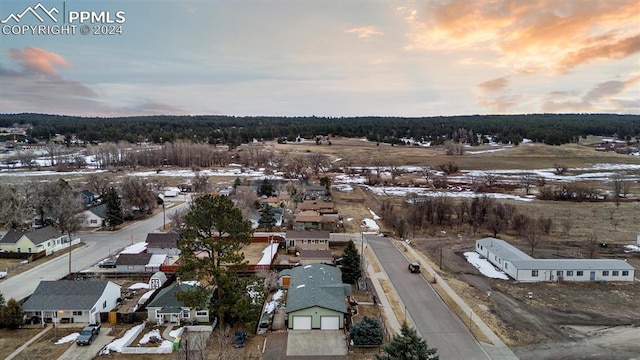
{"points": [[239, 339], [414, 267], [88, 334]]}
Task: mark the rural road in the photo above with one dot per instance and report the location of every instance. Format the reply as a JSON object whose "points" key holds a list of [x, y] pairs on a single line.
{"points": [[432, 318], [98, 246]]}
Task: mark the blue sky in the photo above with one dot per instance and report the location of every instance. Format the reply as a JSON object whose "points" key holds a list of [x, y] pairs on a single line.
{"points": [[329, 58]]}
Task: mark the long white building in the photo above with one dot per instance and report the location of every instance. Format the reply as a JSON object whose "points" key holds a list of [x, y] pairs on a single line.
{"points": [[522, 267]]}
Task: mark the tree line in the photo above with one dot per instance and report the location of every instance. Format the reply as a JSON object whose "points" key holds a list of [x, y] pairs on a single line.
{"points": [[554, 129]]}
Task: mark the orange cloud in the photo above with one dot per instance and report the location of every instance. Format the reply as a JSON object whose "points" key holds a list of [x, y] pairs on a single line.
{"points": [[494, 84], [601, 96], [365, 32], [38, 60], [544, 34]]}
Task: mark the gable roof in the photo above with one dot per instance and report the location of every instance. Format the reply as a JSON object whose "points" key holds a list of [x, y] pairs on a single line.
{"points": [[133, 259], [307, 234], [166, 298], [43, 234], [316, 254], [316, 285], [163, 240], [503, 249], [66, 295], [100, 211], [12, 236]]}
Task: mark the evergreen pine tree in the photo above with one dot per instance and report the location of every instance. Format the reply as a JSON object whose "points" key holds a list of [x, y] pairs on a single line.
{"points": [[367, 332], [408, 346], [1, 299], [267, 220], [350, 264], [11, 314], [114, 208]]}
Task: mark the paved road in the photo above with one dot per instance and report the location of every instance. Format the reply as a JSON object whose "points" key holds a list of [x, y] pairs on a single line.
{"points": [[98, 246], [434, 321]]}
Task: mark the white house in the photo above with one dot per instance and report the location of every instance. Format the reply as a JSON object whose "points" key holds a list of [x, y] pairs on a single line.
{"points": [[522, 267], [166, 308], [68, 301], [95, 217], [163, 243]]}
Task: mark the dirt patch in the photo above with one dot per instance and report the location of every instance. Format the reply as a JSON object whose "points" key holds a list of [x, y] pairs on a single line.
{"points": [[45, 347], [10, 340]]}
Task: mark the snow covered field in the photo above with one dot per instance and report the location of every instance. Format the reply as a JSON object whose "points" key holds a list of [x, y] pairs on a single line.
{"points": [[486, 268]]}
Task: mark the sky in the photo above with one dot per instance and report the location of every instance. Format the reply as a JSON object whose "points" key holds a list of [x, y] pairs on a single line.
{"points": [[321, 57]]}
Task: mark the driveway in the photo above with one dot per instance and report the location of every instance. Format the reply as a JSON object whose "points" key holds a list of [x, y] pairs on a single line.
{"points": [[316, 343], [76, 352]]}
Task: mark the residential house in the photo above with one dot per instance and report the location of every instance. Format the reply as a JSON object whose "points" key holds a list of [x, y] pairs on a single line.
{"points": [[309, 220], [133, 262], [33, 241], [95, 217], [163, 243], [316, 297], [316, 257], [166, 308], [297, 240], [70, 301], [88, 197], [522, 267], [322, 207]]}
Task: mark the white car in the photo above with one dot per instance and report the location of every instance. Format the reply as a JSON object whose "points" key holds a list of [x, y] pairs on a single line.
{"points": [[3, 274]]}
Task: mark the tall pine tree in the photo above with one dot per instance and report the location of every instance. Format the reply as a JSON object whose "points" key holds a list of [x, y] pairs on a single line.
{"points": [[11, 314], [267, 220], [350, 264], [114, 208], [408, 346]]}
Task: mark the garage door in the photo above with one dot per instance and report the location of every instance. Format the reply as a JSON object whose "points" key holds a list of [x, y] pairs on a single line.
{"points": [[302, 322], [330, 323]]}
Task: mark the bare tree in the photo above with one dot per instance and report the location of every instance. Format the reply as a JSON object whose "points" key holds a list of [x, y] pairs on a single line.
{"points": [[99, 182], [533, 235], [592, 244], [395, 171], [527, 181], [519, 223], [427, 173], [561, 169], [25, 157], [490, 180], [138, 195], [193, 346], [618, 184], [15, 211], [201, 184], [318, 162]]}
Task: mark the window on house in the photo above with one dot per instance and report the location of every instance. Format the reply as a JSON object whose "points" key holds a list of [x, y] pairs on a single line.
{"points": [[104, 304], [605, 272], [29, 250], [202, 313], [94, 221], [158, 314], [579, 273], [559, 273], [18, 249], [569, 272], [130, 267], [77, 313], [625, 273], [534, 273], [506, 265], [186, 313], [615, 273]]}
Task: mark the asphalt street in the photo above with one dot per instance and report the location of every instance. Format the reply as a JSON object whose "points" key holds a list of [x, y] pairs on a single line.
{"points": [[438, 325], [98, 247]]}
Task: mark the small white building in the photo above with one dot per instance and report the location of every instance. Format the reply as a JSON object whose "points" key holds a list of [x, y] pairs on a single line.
{"points": [[522, 267]]}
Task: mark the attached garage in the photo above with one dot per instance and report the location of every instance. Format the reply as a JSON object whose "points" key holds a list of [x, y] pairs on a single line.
{"points": [[329, 323], [302, 322]]}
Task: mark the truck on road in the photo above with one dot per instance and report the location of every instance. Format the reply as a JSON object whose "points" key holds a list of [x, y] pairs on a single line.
{"points": [[88, 334]]}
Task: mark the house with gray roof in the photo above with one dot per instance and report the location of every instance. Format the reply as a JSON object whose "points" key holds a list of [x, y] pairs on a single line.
{"points": [[297, 240], [68, 301], [166, 308], [33, 241], [133, 262], [522, 267], [316, 297], [95, 217], [163, 243]]}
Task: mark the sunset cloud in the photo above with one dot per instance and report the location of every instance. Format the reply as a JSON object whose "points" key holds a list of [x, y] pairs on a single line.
{"points": [[365, 32], [37, 60], [554, 35], [601, 96], [494, 84]]}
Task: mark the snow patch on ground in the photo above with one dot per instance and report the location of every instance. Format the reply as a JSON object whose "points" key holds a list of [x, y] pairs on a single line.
{"points": [[375, 217], [175, 333], [486, 268], [67, 339], [270, 307], [268, 254], [118, 344], [344, 188], [147, 337], [371, 224]]}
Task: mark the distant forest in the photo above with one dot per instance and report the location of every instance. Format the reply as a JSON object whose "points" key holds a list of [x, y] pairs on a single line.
{"points": [[553, 129]]}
